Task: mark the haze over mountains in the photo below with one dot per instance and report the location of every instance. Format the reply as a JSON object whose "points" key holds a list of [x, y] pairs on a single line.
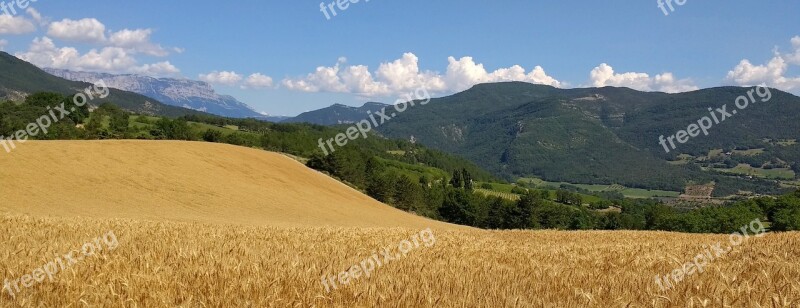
{"points": [[336, 114], [19, 79], [192, 94], [139, 94], [517, 130], [593, 135]]}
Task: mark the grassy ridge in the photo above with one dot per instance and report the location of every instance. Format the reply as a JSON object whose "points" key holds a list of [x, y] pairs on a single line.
{"points": [[627, 192]]}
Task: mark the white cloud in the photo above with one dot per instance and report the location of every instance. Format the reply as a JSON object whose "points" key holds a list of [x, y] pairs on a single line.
{"points": [[358, 80], [257, 81], [37, 17], [91, 30], [222, 78], [324, 79], [773, 73], [159, 69], [794, 58], [88, 30], [3, 44], [137, 40], [44, 53], [604, 75], [115, 52], [464, 73], [15, 24], [404, 74], [666, 82]]}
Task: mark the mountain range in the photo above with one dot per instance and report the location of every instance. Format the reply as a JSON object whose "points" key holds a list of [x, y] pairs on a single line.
{"points": [[191, 94], [518, 130], [600, 135], [336, 114], [19, 79]]}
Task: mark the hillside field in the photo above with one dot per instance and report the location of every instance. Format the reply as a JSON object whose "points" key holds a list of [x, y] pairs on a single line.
{"points": [[183, 181], [201, 224]]}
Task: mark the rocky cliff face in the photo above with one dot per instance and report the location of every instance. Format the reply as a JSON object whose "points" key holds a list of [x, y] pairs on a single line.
{"points": [[185, 93]]}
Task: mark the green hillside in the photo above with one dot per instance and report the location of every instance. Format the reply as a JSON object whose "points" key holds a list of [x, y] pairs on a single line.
{"points": [[602, 135], [19, 78]]}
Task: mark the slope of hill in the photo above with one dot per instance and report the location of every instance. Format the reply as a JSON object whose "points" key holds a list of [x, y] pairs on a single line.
{"points": [[596, 135], [336, 114], [184, 93], [183, 181], [19, 79]]}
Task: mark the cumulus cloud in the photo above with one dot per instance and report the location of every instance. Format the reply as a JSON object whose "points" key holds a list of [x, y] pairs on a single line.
{"points": [[404, 74], [464, 73], [257, 81], [43, 52], [604, 75], [137, 40], [15, 25], [221, 78], [157, 69], [794, 57], [88, 30], [37, 17], [773, 73], [113, 52], [91, 30], [323, 79]]}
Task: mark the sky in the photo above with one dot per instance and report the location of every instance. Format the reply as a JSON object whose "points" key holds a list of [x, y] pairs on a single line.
{"points": [[288, 57]]}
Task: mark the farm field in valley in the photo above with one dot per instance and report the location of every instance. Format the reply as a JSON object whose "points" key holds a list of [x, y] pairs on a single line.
{"points": [[202, 224], [626, 191], [189, 264]]}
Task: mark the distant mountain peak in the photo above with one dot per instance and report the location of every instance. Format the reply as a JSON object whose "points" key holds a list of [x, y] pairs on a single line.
{"points": [[337, 114], [374, 105], [191, 94], [19, 78]]}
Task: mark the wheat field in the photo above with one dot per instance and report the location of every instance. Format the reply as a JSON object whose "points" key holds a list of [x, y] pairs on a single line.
{"points": [[183, 181], [170, 264], [225, 252]]}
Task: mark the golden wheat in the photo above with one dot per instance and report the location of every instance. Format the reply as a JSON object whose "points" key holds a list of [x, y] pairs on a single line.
{"points": [[165, 264], [202, 225], [183, 181]]}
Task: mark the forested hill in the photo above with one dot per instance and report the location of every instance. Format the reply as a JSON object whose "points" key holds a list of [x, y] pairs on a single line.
{"points": [[606, 135], [19, 79]]}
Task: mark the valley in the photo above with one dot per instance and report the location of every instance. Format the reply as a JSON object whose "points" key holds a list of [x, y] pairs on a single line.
{"points": [[193, 219], [502, 187]]}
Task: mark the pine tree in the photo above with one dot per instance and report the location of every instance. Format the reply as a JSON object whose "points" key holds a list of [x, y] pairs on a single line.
{"points": [[381, 188], [467, 178], [407, 194], [457, 181]]}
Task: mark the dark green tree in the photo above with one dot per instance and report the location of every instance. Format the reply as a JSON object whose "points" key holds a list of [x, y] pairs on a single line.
{"points": [[457, 181], [381, 188], [407, 194], [467, 179], [458, 207], [212, 135]]}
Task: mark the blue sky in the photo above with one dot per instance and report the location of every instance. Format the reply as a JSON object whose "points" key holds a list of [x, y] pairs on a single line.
{"points": [[699, 44]]}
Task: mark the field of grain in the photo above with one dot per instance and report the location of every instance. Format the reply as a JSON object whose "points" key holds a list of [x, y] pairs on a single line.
{"points": [[167, 264], [492, 193], [183, 181], [254, 239]]}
